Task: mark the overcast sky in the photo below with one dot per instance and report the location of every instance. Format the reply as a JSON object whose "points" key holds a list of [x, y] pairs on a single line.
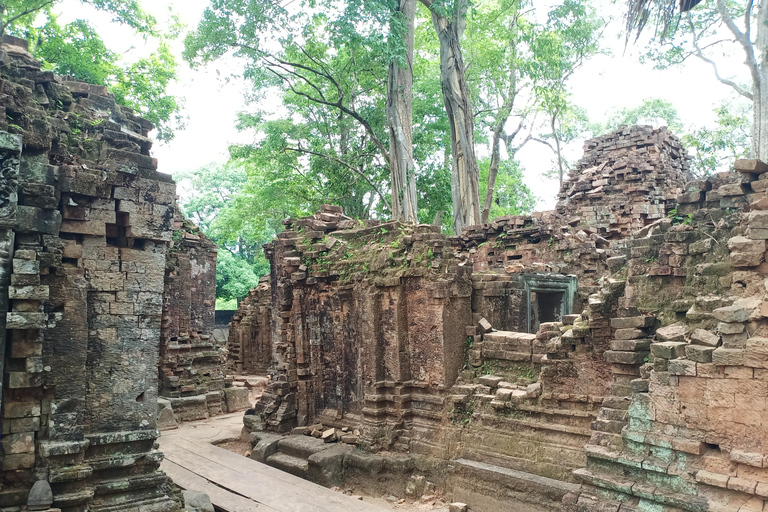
{"points": [[603, 84]]}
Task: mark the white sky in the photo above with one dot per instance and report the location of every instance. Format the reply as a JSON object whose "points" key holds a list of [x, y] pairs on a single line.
{"points": [[603, 84]]}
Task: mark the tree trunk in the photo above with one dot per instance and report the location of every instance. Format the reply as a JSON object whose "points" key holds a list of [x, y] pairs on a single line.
{"points": [[560, 170], [498, 129], [400, 119], [760, 86], [501, 118], [465, 174]]}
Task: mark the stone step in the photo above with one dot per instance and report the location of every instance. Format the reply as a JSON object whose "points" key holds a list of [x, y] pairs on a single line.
{"points": [[296, 466], [301, 447], [533, 492]]}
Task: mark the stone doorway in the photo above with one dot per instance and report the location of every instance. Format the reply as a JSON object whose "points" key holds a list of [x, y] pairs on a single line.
{"points": [[549, 297]]}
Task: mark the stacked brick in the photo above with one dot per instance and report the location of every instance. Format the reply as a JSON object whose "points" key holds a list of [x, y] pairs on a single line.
{"points": [[694, 437], [86, 224], [367, 322], [250, 332], [192, 363], [626, 180]]}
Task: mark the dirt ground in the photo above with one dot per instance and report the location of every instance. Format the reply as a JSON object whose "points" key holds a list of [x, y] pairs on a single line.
{"points": [[426, 504]]}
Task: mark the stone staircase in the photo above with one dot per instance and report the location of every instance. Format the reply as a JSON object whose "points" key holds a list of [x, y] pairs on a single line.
{"points": [[293, 454], [306, 457]]}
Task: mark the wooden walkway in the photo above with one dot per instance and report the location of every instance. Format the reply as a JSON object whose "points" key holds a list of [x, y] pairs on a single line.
{"points": [[238, 484]]}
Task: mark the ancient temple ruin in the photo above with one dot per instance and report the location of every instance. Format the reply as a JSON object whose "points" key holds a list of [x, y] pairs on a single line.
{"points": [[95, 273], [607, 355], [611, 354]]}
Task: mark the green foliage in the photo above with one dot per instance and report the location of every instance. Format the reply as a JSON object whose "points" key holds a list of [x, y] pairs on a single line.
{"points": [[511, 195], [652, 111], [715, 149], [226, 304], [235, 276], [142, 86]]}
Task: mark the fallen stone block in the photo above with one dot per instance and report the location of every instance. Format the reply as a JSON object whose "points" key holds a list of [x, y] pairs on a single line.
{"points": [[326, 467], [329, 436], [165, 419], [492, 381], [750, 165], [731, 314], [668, 349], [704, 337], [674, 332], [263, 445], [195, 501], [237, 399], [189, 408], [253, 423], [730, 328], [484, 326], [458, 507]]}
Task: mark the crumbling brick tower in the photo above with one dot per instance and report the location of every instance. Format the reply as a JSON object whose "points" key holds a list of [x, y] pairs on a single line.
{"points": [[85, 225]]}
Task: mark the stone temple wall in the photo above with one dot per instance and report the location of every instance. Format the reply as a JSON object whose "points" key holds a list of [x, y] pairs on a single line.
{"points": [[86, 223], [685, 425], [192, 360], [250, 332], [648, 394], [350, 318], [367, 325]]}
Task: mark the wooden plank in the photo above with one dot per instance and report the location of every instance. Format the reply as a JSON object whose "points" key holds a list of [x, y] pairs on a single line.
{"points": [[220, 497], [232, 460], [261, 483]]}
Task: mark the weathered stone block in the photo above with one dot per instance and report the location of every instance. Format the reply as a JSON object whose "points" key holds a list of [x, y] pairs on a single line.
{"points": [[705, 338], [668, 349], [195, 501], [25, 320], [731, 314], [730, 328], [632, 322], [28, 292], [728, 357], [699, 353], [751, 166], [713, 479], [682, 367], [30, 219], [631, 345], [756, 352], [674, 332], [748, 458], [492, 381], [612, 356], [25, 266], [628, 334], [237, 399], [757, 220]]}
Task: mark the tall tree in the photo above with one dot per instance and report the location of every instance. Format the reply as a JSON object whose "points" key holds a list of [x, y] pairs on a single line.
{"points": [[449, 20], [520, 71], [716, 27], [400, 113]]}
